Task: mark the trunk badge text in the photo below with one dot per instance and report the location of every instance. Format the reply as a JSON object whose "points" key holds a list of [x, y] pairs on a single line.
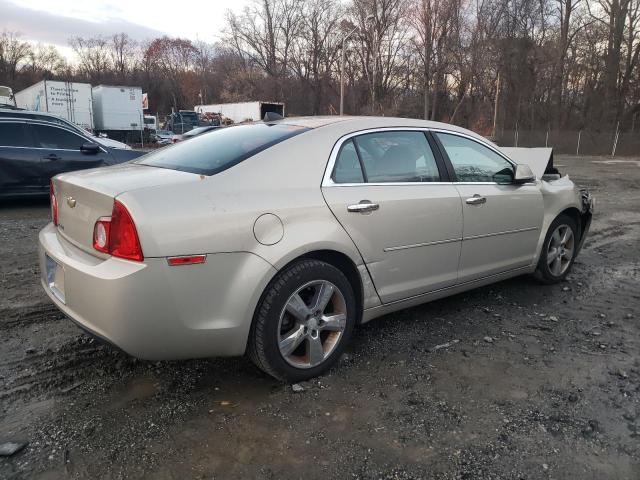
{"points": [[71, 202]]}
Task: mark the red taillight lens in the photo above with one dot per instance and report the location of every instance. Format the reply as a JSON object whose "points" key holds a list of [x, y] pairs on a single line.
{"points": [[117, 235], [54, 203], [123, 237]]}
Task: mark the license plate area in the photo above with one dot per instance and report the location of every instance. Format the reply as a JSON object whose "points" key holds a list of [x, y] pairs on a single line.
{"points": [[55, 278]]}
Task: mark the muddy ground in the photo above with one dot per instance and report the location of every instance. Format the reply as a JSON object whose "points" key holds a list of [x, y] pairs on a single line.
{"points": [[556, 394]]}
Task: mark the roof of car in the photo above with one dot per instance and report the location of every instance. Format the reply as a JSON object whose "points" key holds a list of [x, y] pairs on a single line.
{"points": [[365, 122], [19, 111]]}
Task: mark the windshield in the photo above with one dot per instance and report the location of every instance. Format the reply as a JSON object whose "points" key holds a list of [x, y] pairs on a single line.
{"points": [[210, 154]]}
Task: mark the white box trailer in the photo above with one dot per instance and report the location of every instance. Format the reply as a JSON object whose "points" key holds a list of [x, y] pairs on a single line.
{"points": [[69, 100], [240, 112], [117, 108], [6, 97]]}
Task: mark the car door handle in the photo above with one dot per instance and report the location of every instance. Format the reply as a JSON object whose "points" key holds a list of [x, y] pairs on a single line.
{"points": [[51, 156], [476, 200], [363, 207]]}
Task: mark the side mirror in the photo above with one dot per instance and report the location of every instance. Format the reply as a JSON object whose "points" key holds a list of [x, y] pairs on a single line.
{"points": [[523, 174], [89, 148]]}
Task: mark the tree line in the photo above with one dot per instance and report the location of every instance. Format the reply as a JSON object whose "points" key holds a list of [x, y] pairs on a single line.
{"points": [[559, 64]]}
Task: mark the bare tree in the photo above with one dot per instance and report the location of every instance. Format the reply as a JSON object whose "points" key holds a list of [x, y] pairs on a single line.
{"points": [[93, 55], [13, 51], [121, 50]]}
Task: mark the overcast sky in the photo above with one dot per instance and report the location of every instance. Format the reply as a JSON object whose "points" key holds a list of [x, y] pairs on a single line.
{"points": [[54, 21]]}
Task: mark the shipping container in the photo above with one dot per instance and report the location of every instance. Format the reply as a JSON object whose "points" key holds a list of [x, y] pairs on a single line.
{"points": [[117, 108], [69, 100], [245, 111]]}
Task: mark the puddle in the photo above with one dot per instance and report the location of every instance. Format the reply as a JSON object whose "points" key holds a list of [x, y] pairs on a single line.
{"points": [[608, 162], [138, 388]]}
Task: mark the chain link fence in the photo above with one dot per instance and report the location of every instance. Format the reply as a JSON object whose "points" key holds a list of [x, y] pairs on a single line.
{"points": [[574, 142]]}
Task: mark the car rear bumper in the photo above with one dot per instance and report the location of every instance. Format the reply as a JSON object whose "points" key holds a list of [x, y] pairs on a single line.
{"points": [[152, 310]]}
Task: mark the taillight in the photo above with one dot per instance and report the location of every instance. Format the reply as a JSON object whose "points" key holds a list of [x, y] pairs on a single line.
{"points": [[54, 203], [117, 235], [101, 234], [123, 237]]}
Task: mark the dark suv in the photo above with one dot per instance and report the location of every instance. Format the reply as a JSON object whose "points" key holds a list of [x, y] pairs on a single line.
{"points": [[32, 151]]}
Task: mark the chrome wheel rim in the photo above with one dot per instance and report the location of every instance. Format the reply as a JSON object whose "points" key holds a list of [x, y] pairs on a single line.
{"points": [[560, 250], [311, 324]]}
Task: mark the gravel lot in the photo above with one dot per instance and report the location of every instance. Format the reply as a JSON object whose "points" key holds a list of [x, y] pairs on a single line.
{"points": [[536, 382]]}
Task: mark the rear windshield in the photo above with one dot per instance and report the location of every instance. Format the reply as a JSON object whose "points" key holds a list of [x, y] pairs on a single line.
{"points": [[210, 154]]}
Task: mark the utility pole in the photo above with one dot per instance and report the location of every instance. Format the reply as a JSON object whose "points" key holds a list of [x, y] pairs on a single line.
{"points": [[344, 39], [372, 20], [495, 108]]}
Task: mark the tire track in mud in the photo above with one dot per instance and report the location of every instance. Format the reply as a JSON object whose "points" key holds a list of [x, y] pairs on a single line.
{"points": [[13, 318], [51, 370], [26, 373]]}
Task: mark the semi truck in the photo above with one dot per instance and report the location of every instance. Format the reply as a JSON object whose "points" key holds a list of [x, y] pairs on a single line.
{"points": [[241, 112], [117, 112], [69, 100]]}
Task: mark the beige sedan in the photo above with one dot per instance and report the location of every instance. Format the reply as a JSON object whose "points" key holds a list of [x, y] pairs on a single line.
{"points": [[277, 239]]}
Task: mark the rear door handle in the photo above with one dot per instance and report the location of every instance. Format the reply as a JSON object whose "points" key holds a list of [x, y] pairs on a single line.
{"points": [[476, 200], [51, 156], [363, 207]]}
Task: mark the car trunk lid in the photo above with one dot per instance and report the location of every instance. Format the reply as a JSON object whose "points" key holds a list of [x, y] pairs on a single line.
{"points": [[87, 195]]}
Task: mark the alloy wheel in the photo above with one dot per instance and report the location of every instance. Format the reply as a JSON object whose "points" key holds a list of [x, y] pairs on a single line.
{"points": [[560, 250], [311, 324]]}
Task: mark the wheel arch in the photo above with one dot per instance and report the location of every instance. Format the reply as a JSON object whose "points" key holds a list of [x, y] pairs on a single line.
{"points": [[343, 263], [339, 260], [575, 214]]}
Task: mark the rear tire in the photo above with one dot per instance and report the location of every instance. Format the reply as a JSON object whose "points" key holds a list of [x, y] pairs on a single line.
{"points": [[559, 250], [303, 322]]}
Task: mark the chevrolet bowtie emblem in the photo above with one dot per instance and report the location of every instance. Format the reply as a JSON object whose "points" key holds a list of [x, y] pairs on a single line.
{"points": [[71, 202]]}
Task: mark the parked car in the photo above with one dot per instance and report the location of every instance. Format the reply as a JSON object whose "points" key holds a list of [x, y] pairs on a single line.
{"points": [[33, 151], [47, 117], [162, 137], [182, 121], [194, 133], [277, 239]]}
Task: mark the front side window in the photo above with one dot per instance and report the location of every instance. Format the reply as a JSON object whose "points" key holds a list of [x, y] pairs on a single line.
{"points": [[210, 154], [56, 138], [473, 162], [13, 135]]}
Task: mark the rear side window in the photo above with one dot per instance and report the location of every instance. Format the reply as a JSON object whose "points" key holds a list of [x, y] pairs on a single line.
{"points": [[13, 135], [348, 168], [210, 154], [387, 157]]}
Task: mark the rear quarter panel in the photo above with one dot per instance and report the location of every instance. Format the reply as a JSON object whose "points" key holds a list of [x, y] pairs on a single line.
{"points": [[218, 213]]}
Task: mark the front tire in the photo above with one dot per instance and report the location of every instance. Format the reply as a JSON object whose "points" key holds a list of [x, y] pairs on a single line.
{"points": [[303, 322], [559, 250]]}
